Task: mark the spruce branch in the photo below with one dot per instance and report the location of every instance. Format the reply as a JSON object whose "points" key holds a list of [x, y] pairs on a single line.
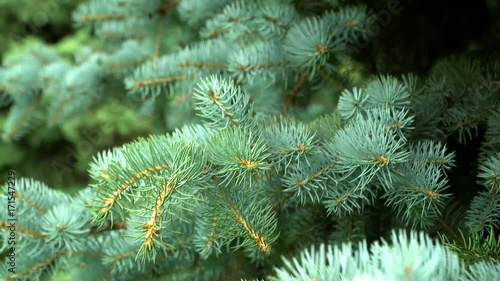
{"points": [[264, 60], [433, 153], [421, 190], [368, 147], [387, 91], [34, 270], [308, 45], [484, 210], [20, 119], [475, 248], [398, 260], [223, 103], [310, 180], [249, 215], [288, 141], [238, 154]]}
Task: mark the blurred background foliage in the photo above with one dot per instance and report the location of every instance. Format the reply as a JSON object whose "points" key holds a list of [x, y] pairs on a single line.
{"points": [[410, 41], [59, 156], [47, 19]]}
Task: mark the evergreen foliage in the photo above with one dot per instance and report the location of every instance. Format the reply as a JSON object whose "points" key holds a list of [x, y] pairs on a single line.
{"points": [[248, 175]]}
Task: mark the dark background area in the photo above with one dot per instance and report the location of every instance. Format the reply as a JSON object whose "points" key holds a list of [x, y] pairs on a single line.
{"points": [[427, 30]]}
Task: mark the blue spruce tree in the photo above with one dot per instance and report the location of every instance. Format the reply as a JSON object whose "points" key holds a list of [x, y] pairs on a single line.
{"points": [[268, 160]]}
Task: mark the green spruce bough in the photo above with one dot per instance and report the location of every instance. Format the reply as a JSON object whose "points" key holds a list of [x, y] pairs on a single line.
{"points": [[254, 184]]}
